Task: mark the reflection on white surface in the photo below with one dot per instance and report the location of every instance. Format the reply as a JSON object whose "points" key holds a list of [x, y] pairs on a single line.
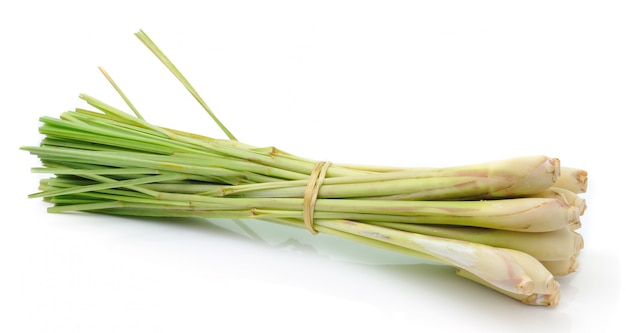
{"points": [[264, 275]]}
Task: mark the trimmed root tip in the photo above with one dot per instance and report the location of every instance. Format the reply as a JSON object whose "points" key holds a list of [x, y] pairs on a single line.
{"points": [[573, 218], [580, 204], [551, 300], [572, 179], [554, 166], [581, 177], [525, 286], [575, 225]]}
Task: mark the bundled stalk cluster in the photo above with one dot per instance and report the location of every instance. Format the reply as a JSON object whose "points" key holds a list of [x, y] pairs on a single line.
{"points": [[509, 224]]}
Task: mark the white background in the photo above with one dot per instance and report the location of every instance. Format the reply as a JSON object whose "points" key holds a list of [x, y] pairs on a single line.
{"points": [[415, 83]]}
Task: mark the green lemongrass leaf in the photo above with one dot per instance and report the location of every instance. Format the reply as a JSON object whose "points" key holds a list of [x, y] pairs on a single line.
{"points": [[121, 93], [108, 109], [104, 135], [133, 136], [109, 195], [102, 171], [143, 37], [184, 187], [95, 187], [62, 201], [224, 147], [67, 116], [131, 121], [133, 159], [85, 206], [116, 123], [78, 144]]}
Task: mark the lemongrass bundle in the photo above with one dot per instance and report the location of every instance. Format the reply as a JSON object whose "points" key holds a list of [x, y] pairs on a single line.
{"points": [[509, 224]]}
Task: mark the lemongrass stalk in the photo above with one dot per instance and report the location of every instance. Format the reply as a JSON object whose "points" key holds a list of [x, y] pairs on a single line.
{"points": [[496, 179], [383, 245], [421, 188], [489, 263], [523, 214], [572, 179], [544, 246], [527, 174]]}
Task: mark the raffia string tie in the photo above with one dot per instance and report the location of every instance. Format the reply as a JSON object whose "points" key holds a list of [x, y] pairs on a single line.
{"points": [[310, 193]]}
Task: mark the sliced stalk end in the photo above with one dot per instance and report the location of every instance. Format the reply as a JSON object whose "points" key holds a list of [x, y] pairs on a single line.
{"points": [[572, 179]]}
